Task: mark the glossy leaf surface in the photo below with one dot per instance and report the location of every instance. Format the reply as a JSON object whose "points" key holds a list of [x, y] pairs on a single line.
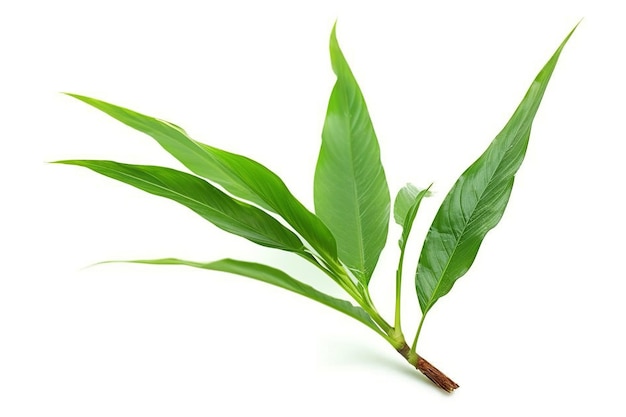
{"points": [[351, 193], [275, 277], [239, 175], [477, 200], [215, 206]]}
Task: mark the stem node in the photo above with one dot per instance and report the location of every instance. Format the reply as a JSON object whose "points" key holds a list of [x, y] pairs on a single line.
{"points": [[426, 368]]}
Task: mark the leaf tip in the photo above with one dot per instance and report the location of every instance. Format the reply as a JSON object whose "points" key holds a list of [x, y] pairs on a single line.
{"points": [[569, 35], [62, 161], [333, 37], [577, 24], [429, 193], [84, 99], [93, 265], [73, 95]]}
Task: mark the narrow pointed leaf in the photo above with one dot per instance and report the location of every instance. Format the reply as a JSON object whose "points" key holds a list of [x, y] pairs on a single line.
{"points": [[215, 206], [405, 208], [275, 277], [351, 193], [477, 200], [239, 175]]}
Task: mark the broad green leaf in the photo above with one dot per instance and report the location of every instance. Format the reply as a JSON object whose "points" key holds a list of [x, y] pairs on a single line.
{"points": [[477, 200], [239, 175], [215, 206], [275, 277], [351, 193], [405, 208]]}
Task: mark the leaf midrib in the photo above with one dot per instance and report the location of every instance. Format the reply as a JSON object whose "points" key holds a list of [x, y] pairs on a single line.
{"points": [[196, 148], [357, 208], [228, 216], [460, 239]]}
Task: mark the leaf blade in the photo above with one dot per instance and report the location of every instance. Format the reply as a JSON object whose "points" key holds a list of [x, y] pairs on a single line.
{"points": [[275, 277], [239, 175], [351, 193], [477, 201], [212, 204]]}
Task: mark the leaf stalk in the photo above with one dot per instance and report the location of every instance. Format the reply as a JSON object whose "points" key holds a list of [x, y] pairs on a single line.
{"points": [[417, 334], [397, 321]]}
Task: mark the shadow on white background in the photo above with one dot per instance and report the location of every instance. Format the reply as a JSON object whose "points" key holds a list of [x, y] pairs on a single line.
{"points": [[533, 329]]}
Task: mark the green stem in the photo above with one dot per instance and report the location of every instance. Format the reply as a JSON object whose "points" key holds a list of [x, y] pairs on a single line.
{"points": [[375, 314], [417, 334], [334, 272], [363, 298], [396, 324], [338, 274], [361, 295]]}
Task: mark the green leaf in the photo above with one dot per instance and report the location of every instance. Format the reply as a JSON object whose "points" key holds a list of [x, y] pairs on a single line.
{"points": [[215, 206], [275, 277], [351, 193], [477, 200], [405, 209], [239, 175]]}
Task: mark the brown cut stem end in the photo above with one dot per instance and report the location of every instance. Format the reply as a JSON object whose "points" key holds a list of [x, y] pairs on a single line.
{"points": [[435, 375]]}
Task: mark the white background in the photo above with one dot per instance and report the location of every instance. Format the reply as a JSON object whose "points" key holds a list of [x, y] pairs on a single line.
{"points": [[535, 328]]}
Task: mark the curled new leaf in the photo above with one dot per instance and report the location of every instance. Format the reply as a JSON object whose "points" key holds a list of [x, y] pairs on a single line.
{"points": [[351, 199], [405, 208]]}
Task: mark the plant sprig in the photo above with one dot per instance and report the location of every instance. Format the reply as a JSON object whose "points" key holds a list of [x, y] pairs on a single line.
{"points": [[347, 232]]}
